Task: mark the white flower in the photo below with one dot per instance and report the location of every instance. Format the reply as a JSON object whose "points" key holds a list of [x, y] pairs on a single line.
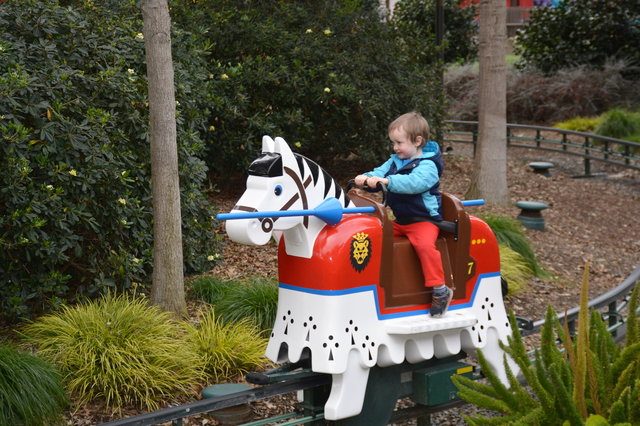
{"points": [[131, 71], [327, 90], [139, 36], [122, 201]]}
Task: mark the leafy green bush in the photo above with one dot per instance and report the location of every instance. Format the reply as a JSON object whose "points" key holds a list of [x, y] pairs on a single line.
{"points": [[619, 123], [119, 349], [255, 299], [75, 187], [511, 233], [579, 124], [227, 349], [514, 269], [415, 19], [328, 76], [31, 392], [585, 32], [591, 380]]}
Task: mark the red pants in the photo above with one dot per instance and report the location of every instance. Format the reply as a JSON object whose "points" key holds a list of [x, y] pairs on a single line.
{"points": [[422, 236]]}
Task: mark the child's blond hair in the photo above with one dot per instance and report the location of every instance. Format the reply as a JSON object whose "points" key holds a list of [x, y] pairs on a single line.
{"points": [[414, 125]]}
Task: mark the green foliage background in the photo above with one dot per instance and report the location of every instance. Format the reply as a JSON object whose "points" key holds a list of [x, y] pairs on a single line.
{"points": [[327, 75], [75, 189], [416, 23], [581, 32]]}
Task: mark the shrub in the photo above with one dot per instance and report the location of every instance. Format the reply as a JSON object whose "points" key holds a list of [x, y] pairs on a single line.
{"points": [[211, 289], [326, 75], [227, 349], [535, 98], [514, 269], [579, 124], [255, 299], [511, 233], [619, 123], [75, 187], [31, 392], [590, 379], [588, 32], [415, 19], [119, 349]]}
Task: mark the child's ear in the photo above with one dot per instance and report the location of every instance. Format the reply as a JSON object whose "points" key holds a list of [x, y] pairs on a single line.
{"points": [[419, 141]]}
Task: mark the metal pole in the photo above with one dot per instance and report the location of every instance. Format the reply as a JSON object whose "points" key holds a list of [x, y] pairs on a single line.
{"points": [[440, 47]]}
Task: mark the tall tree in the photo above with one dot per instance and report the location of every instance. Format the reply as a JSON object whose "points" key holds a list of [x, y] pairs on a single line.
{"points": [[168, 275], [489, 179]]}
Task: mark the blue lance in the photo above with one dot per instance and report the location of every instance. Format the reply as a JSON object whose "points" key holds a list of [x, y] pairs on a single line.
{"points": [[329, 211]]}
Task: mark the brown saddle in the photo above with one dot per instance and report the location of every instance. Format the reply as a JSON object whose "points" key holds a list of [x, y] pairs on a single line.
{"points": [[401, 274]]}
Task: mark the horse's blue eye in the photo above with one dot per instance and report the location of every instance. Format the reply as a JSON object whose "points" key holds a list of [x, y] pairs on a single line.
{"points": [[277, 190]]}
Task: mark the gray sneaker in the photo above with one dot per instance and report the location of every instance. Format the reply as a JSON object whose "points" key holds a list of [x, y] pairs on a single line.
{"points": [[440, 302]]}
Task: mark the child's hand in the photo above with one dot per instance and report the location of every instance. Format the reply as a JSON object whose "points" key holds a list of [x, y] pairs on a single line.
{"points": [[373, 181], [360, 180]]}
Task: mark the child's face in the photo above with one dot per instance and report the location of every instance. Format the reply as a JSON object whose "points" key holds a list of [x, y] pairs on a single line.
{"points": [[403, 146]]}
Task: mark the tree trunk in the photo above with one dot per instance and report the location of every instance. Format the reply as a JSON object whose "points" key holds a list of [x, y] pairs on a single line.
{"points": [[489, 180], [168, 275]]}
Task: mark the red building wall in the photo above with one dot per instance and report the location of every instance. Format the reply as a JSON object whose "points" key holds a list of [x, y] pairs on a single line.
{"points": [[510, 3]]}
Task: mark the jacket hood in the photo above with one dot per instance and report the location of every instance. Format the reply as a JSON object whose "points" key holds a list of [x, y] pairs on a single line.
{"points": [[430, 149]]}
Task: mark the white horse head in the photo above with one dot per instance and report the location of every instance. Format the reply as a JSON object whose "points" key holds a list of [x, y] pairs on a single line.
{"points": [[281, 180]]}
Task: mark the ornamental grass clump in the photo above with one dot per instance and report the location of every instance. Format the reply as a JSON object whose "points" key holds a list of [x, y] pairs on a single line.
{"points": [[31, 391], [117, 349], [579, 124], [227, 349], [211, 289], [511, 233], [589, 380], [256, 299], [514, 269]]}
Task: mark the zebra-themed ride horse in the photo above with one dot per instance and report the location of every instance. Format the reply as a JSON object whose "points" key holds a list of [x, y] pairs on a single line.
{"points": [[347, 296]]}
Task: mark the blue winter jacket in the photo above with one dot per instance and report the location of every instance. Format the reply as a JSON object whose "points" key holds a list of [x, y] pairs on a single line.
{"points": [[414, 188]]}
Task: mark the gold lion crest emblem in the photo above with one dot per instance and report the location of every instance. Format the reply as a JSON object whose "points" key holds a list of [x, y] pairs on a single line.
{"points": [[360, 251]]}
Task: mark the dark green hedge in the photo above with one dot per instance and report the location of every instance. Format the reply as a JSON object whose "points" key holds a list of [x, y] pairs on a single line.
{"points": [[581, 32], [326, 75], [76, 217], [75, 189]]}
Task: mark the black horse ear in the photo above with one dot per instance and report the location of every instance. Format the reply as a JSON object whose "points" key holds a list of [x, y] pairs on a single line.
{"points": [[269, 164]]}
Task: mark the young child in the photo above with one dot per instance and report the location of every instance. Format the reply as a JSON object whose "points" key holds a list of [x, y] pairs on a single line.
{"points": [[412, 176]]}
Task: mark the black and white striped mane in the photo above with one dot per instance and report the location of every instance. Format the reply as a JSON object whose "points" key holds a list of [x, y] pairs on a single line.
{"points": [[269, 164]]}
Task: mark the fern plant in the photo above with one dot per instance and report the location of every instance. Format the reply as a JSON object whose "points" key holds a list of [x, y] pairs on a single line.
{"points": [[31, 391], [119, 349], [227, 349], [592, 381]]}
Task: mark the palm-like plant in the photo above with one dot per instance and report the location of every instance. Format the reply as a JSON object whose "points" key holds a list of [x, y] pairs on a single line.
{"points": [[590, 380]]}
